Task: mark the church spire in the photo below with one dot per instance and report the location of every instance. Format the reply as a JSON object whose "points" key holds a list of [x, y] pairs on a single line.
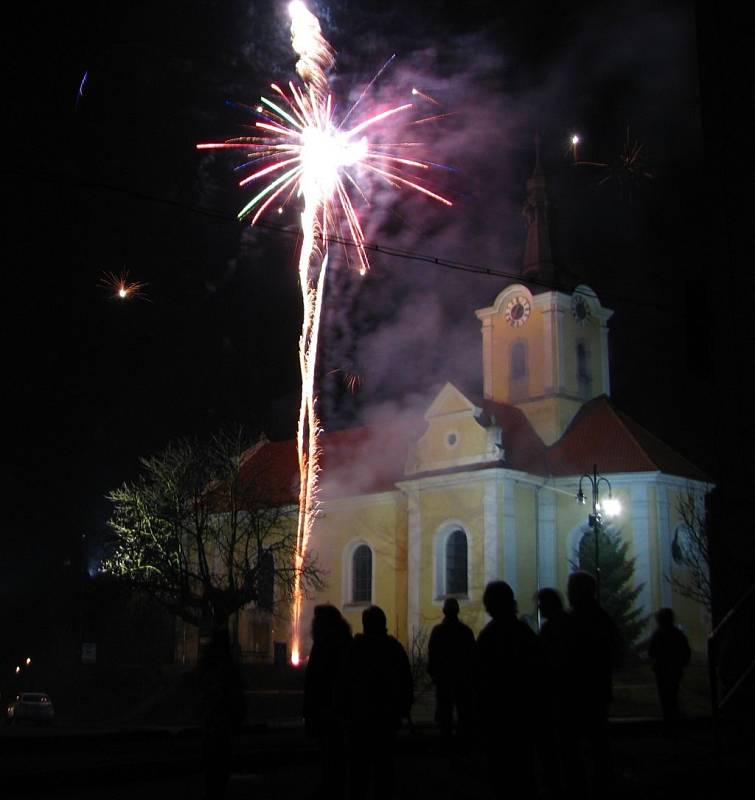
{"points": [[538, 258]]}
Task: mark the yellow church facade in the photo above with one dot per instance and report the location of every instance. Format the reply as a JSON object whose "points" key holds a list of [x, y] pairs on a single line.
{"points": [[486, 488]]}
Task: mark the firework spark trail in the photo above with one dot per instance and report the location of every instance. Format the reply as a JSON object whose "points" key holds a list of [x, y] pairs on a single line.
{"points": [[301, 151]]}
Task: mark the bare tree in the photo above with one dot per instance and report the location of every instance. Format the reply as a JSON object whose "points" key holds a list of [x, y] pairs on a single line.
{"points": [[207, 529], [690, 549], [418, 660]]}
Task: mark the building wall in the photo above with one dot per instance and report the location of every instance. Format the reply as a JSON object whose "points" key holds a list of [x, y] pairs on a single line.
{"points": [[380, 522], [505, 518]]}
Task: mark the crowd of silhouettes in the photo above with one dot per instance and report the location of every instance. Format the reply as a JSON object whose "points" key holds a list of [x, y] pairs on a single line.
{"points": [[524, 698]]}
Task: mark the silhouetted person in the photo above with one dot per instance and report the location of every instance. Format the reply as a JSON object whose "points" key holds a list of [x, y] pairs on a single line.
{"points": [[323, 691], [449, 662], [222, 710], [594, 656], [507, 677], [379, 697], [669, 654], [555, 741]]}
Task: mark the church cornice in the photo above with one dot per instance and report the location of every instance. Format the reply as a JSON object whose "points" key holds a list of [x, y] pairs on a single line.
{"points": [[478, 476], [376, 498]]}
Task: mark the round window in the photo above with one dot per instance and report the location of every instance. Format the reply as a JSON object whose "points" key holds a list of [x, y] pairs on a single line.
{"points": [[451, 439]]}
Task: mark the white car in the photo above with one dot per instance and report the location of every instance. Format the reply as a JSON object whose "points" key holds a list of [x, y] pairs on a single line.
{"points": [[31, 706]]}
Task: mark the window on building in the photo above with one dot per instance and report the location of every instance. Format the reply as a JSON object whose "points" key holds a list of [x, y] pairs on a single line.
{"points": [[456, 563], [361, 575], [680, 545], [584, 378], [519, 360]]}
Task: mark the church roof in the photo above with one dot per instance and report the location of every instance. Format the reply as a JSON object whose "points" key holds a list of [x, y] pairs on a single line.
{"points": [[523, 448], [601, 434], [371, 459], [362, 460]]}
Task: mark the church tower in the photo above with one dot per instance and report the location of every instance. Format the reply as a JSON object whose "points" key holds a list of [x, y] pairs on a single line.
{"points": [[544, 350]]}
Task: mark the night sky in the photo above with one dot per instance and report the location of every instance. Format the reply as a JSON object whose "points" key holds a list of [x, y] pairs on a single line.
{"points": [[109, 179]]}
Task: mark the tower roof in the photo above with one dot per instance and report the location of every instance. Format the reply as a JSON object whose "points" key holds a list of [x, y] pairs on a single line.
{"points": [[538, 255]]}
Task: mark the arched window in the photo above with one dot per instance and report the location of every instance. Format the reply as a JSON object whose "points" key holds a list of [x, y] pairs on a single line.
{"points": [[519, 360], [456, 563], [680, 546], [361, 575], [584, 378]]}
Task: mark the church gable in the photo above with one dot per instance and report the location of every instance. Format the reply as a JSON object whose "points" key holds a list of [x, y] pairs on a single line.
{"points": [[455, 435]]}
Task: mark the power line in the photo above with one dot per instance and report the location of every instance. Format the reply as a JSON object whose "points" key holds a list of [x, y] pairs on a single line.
{"points": [[388, 250]]}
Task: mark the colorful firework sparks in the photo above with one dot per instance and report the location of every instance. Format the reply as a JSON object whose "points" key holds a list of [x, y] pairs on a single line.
{"points": [[628, 169], [417, 93], [351, 380], [306, 153], [302, 151], [121, 288]]}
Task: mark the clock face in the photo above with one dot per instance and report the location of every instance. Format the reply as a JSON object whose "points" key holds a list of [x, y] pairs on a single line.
{"points": [[580, 310], [517, 311]]}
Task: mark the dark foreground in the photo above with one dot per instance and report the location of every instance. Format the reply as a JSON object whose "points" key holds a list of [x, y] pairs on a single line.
{"points": [[281, 763]]}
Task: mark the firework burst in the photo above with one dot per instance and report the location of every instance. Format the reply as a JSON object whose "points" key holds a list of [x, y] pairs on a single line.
{"points": [[627, 170], [302, 151], [121, 288]]}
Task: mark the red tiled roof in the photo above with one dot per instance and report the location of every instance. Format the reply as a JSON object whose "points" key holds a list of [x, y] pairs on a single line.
{"points": [[353, 461], [523, 449], [600, 434], [371, 459]]}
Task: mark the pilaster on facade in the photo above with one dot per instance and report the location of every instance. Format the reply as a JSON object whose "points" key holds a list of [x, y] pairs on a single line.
{"points": [[641, 527], [550, 347], [663, 542], [605, 368], [559, 377], [490, 523], [509, 533], [546, 539], [552, 306], [414, 559], [487, 357]]}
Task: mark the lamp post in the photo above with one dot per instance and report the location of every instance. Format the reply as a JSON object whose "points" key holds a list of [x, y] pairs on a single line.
{"points": [[609, 507]]}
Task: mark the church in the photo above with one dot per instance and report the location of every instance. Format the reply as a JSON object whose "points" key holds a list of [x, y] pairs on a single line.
{"points": [[485, 488]]}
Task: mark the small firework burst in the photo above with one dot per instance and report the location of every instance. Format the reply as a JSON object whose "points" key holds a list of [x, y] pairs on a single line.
{"points": [[627, 170], [352, 381], [572, 148], [632, 160], [121, 288]]}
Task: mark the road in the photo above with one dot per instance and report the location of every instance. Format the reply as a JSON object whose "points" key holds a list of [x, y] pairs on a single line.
{"points": [[281, 763]]}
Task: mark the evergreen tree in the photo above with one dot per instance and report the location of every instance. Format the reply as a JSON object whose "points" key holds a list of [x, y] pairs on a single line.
{"points": [[617, 592]]}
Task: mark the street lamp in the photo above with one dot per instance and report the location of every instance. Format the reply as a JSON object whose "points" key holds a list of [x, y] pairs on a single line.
{"points": [[610, 507]]}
